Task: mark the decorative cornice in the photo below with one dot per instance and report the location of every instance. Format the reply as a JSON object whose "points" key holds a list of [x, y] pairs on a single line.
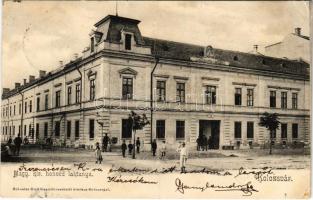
{"points": [[58, 85], [245, 84], [161, 76], [210, 78], [47, 90], [38, 93], [91, 75], [181, 78], [128, 71], [77, 79], [69, 82], [283, 88]]}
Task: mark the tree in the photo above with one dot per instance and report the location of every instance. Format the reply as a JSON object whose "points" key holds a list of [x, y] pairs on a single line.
{"points": [[271, 122], [137, 123]]}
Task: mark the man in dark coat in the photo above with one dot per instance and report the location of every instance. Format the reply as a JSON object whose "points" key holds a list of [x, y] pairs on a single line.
{"points": [[17, 142], [10, 141], [198, 143], [138, 144], [205, 143], [154, 147], [130, 148], [124, 147], [105, 142]]}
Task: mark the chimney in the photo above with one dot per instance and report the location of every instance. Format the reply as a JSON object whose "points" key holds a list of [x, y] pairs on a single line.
{"points": [[24, 81], [5, 90], [255, 48], [42, 73], [31, 78], [298, 31], [61, 63], [17, 85]]}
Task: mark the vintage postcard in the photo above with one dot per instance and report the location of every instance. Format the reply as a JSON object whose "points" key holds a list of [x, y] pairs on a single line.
{"points": [[125, 99]]}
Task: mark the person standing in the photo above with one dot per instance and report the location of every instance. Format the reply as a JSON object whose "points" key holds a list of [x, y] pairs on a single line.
{"points": [[154, 147], [17, 142], [98, 153], [105, 142], [198, 143], [163, 150], [138, 145], [205, 143], [130, 148], [183, 157], [124, 147], [26, 140], [10, 140]]}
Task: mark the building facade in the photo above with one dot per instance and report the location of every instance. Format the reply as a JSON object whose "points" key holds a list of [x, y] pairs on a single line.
{"points": [[293, 46], [185, 90]]}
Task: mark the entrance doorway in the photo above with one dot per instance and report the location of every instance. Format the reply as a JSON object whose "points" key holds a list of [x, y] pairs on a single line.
{"points": [[210, 129]]}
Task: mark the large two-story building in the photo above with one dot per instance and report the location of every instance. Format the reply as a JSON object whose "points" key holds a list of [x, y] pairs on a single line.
{"points": [[184, 89]]}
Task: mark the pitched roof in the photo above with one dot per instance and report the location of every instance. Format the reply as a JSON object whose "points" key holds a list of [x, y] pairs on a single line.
{"points": [[182, 51]]}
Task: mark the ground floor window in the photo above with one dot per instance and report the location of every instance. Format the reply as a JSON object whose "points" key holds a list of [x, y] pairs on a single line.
{"points": [[68, 127], [283, 131], [250, 130], [160, 129], [45, 130], [57, 129], [37, 131], [30, 133], [238, 130], [25, 130], [76, 129], [180, 129], [294, 131], [126, 129], [91, 129]]}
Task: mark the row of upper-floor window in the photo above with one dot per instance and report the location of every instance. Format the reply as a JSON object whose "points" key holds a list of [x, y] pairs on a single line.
{"points": [[28, 104], [210, 96]]}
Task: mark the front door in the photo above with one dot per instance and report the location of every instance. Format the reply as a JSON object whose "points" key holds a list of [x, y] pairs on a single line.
{"points": [[210, 130]]}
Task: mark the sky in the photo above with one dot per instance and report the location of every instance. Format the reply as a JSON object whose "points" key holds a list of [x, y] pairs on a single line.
{"points": [[36, 35]]}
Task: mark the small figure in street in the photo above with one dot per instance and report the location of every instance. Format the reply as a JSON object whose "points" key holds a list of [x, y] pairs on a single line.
{"points": [[109, 145], [138, 145], [105, 142], [10, 140], [163, 150], [26, 140], [124, 147], [183, 157], [130, 148], [17, 141], [205, 143], [154, 147], [209, 140], [98, 153], [198, 143]]}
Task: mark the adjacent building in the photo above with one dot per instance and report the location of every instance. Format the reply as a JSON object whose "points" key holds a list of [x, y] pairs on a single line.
{"points": [[184, 89], [294, 46]]}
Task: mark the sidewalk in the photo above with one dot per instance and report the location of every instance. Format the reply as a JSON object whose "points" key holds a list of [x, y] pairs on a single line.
{"points": [[213, 159]]}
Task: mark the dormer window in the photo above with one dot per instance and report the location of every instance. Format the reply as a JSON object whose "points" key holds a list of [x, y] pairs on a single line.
{"points": [[128, 39], [92, 44], [235, 58]]}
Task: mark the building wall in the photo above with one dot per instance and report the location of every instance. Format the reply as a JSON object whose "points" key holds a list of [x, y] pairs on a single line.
{"points": [[292, 47], [109, 108]]}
